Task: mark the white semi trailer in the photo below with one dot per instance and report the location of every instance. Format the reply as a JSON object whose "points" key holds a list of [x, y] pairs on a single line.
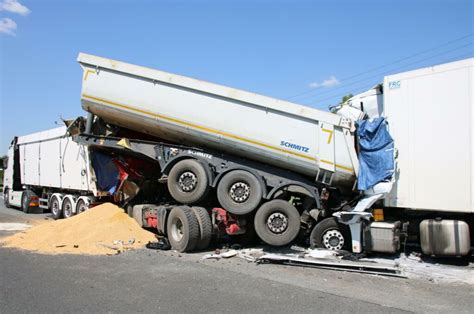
{"points": [[430, 115], [48, 170]]}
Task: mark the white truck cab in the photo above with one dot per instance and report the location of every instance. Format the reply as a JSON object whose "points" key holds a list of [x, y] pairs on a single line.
{"points": [[11, 197], [368, 104]]}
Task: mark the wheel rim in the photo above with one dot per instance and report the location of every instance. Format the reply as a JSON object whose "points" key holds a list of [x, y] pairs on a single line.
{"points": [[239, 192], [177, 230], [333, 240], [187, 181], [55, 207], [82, 207], [67, 209], [277, 222]]}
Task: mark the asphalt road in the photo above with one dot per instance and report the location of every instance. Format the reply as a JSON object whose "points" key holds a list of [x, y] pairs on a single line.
{"points": [[151, 281]]}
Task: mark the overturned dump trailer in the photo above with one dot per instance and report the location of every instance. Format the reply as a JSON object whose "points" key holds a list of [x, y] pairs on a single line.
{"points": [[311, 142], [255, 152]]}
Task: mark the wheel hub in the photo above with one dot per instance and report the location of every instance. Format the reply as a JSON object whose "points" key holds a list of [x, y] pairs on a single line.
{"points": [[67, 210], [54, 207], [82, 207], [177, 230], [333, 240], [239, 192], [187, 181], [277, 222]]}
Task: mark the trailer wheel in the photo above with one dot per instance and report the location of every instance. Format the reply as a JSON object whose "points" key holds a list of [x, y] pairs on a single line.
{"points": [[81, 206], [129, 210], [67, 208], [205, 227], [331, 235], [183, 229], [6, 198], [277, 222], [54, 207], [188, 182], [239, 192], [25, 200]]}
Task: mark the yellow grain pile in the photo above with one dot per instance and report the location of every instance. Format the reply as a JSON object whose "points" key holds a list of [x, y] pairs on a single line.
{"points": [[104, 229]]}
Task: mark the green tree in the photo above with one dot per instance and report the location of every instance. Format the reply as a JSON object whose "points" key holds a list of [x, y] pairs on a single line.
{"points": [[346, 98]]}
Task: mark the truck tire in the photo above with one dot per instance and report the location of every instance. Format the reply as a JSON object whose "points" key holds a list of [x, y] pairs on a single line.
{"points": [[277, 222], [67, 208], [81, 206], [239, 192], [6, 198], [183, 229], [188, 182], [331, 235], [25, 201], [205, 227], [56, 210], [129, 210]]}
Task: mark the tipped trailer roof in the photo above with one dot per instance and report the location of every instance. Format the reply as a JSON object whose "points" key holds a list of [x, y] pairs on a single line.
{"points": [[210, 88], [42, 135]]}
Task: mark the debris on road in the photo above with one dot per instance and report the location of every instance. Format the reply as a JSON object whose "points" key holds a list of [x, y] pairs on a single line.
{"points": [[218, 254], [250, 255], [230, 253], [212, 256], [413, 266], [331, 264], [101, 230], [318, 253], [163, 244], [410, 266]]}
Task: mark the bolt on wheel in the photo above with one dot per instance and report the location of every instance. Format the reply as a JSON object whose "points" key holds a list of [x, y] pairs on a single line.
{"points": [[239, 192], [277, 222], [187, 181], [333, 240]]}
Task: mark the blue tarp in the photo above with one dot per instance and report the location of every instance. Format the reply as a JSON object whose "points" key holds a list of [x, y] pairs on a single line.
{"points": [[376, 155], [106, 172]]}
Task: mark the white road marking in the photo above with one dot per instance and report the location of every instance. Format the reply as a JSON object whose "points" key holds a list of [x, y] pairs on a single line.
{"points": [[13, 226]]}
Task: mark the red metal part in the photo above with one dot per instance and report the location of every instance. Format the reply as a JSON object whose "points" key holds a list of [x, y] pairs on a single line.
{"points": [[226, 222], [232, 228], [151, 219]]}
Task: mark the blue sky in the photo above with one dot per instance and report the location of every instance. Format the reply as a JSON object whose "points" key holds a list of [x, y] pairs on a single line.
{"points": [[315, 49]]}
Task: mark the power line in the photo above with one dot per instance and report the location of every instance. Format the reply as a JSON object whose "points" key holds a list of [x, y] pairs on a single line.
{"points": [[386, 65], [366, 86], [386, 72]]}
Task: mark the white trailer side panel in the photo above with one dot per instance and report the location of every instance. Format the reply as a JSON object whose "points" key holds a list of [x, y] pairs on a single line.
{"points": [[430, 112], [73, 165], [30, 163], [49, 159], [50, 164], [194, 112]]}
